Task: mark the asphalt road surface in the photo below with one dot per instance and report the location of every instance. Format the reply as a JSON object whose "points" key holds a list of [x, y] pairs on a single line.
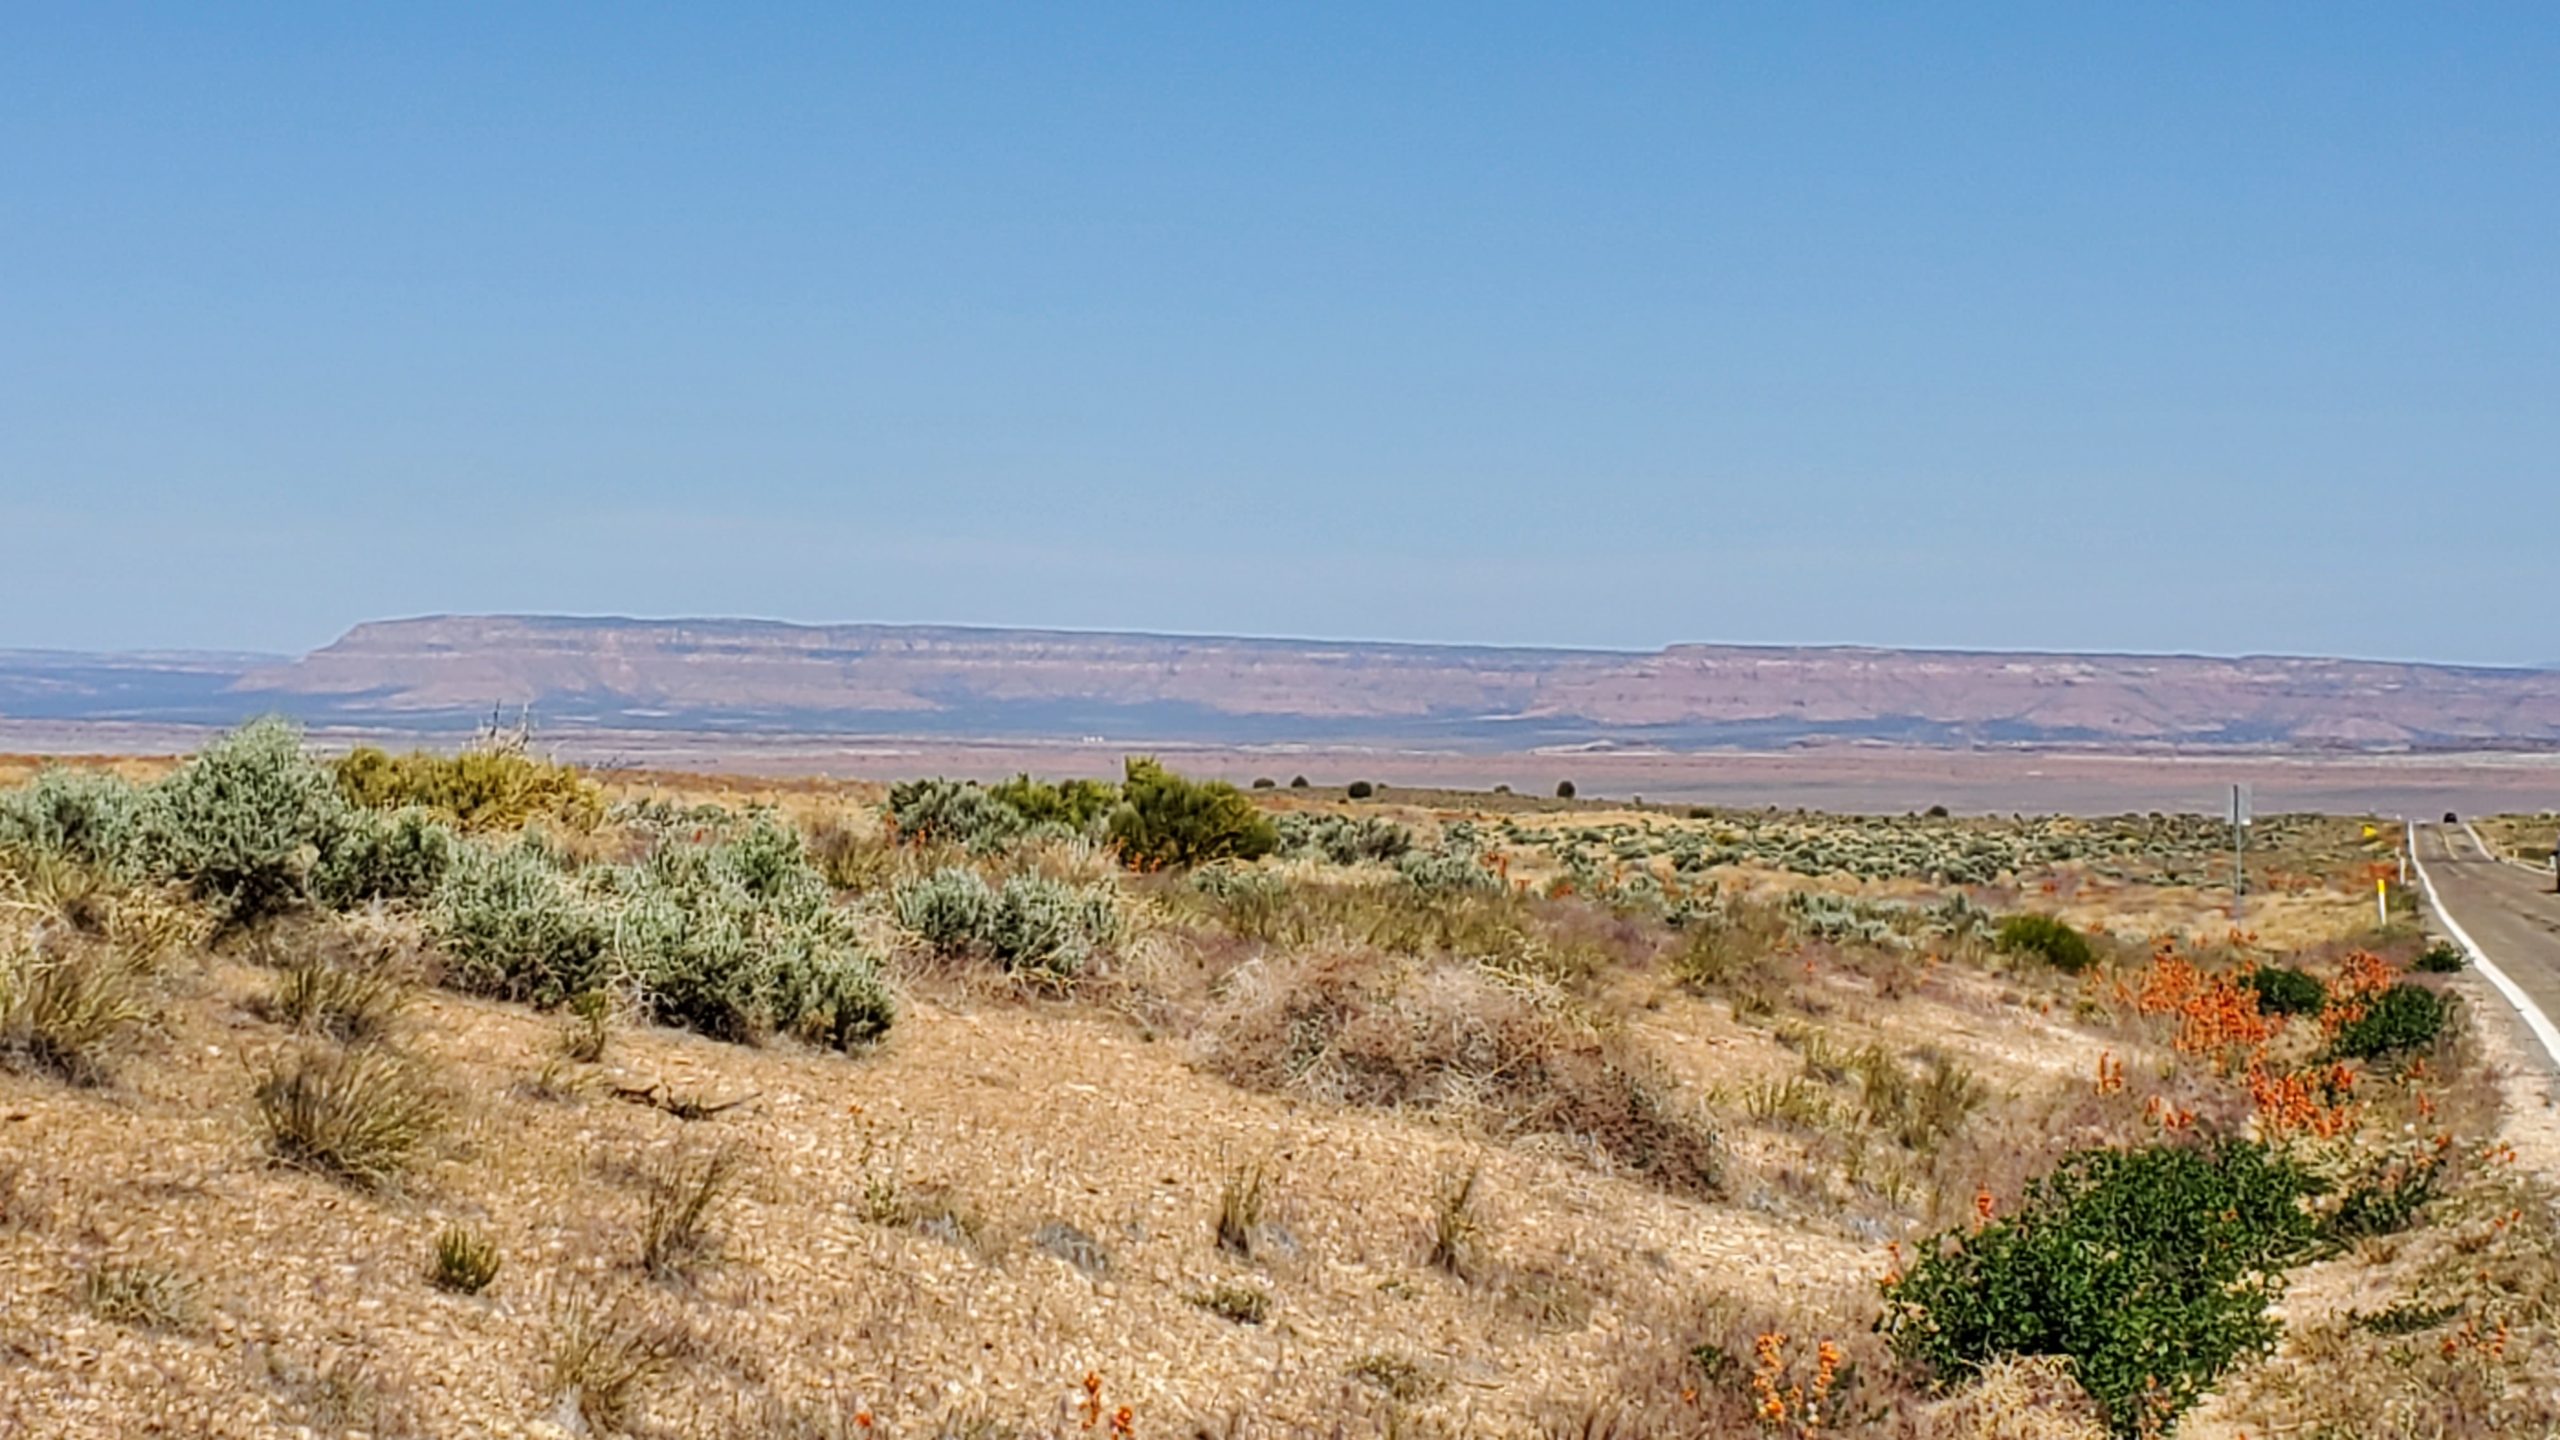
{"points": [[2507, 911]]}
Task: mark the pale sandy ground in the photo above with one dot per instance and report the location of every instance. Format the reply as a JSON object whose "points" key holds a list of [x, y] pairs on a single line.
{"points": [[1847, 778]]}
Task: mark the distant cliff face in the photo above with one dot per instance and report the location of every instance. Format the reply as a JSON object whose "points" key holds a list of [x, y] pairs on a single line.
{"points": [[721, 673]]}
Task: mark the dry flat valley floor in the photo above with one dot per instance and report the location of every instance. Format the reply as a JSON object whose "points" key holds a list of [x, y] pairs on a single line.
{"points": [[1005, 1219]]}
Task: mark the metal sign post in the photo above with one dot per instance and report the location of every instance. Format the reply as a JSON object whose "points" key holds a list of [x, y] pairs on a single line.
{"points": [[2240, 819]]}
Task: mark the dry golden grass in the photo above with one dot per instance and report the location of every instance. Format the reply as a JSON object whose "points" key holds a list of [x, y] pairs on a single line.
{"points": [[1449, 1197]]}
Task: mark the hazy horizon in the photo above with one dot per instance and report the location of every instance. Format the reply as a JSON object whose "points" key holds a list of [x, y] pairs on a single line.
{"points": [[1158, 633]]}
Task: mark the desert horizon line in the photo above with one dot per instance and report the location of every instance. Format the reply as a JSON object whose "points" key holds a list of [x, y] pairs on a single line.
{"points": [[983, 628]]}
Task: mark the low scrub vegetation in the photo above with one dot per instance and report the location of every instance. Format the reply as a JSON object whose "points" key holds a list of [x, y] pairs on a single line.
{"points": [[2047, 939], [2285, 990], [740, 938], [462, 1261], [146, 1296], [481, 789], [70, 1005], [360, 1114], [1509, 998], [2443, 957], [2151, 1270], [1030, 925], [1165, 821], [1367, 1027], [2404, 1019], [682, 1196]]}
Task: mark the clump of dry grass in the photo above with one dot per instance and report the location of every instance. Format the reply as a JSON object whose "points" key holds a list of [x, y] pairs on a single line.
{"points": [[320, 997], [1240, 1203], [146, 1296], [463, 1261], [1241, 1304], [1359, 1026], [70, 1004], [589, 1028], [602, 1356], [2032, 1398], [1732, 952], [1919, 1110], [360, 1115], [344, 1395], [21, 1207], [856, 857], [2465, 1351], [1457, 1231], [558, 1082], [1400, 1378], [681, 1196]]}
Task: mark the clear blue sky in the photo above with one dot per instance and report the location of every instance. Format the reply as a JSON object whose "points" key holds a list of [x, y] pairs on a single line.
{"points": [[2181, 327]]}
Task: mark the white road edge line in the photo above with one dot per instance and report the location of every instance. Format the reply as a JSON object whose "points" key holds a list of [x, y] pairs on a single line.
{"points": [[2534, 1020], [2494, 853]]}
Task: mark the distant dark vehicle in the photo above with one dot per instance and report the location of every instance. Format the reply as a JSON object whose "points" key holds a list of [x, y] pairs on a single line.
{"points": [[2452, 819]]}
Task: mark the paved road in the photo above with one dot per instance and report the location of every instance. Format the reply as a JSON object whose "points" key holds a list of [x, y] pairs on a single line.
{"points": [[2508, 911]]}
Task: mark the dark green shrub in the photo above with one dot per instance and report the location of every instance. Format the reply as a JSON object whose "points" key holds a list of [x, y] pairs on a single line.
{"points": [[1564, 789], [1164, 820], [2284, 990], [1297, 782], [244, 822], [479, 789], [1265, 782], [2047, 939], [1076, 804], [2441, 958], [2151, 1269], [1360, 790], [2403, 1018]]}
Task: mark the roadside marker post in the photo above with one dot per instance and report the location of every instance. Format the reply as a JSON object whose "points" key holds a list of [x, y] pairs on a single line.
{"points": [[2239, 853], [2381, 901]]}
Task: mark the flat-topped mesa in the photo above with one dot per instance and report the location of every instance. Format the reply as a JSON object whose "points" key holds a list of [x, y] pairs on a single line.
{"points": [[957, 679]]}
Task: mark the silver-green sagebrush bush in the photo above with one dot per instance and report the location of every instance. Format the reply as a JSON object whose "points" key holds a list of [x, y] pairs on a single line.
{"points": [[91, 817], [1050, 926], [739, 938], [743, 939], [512, 925], [245, 822], [1447, 872], [955, 812], [947, 909], [1031, 925], [1343, 839], [402, 855]]}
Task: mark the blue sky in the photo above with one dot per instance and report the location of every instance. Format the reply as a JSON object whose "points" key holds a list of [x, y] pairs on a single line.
{"points": [[2178, 327]]}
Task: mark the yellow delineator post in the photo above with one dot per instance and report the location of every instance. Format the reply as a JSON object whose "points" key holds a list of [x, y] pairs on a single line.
{"points": [[2382, 900]]}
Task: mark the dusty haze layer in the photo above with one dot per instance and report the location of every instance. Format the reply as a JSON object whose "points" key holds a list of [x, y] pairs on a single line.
{"points": [[953, 681]]}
